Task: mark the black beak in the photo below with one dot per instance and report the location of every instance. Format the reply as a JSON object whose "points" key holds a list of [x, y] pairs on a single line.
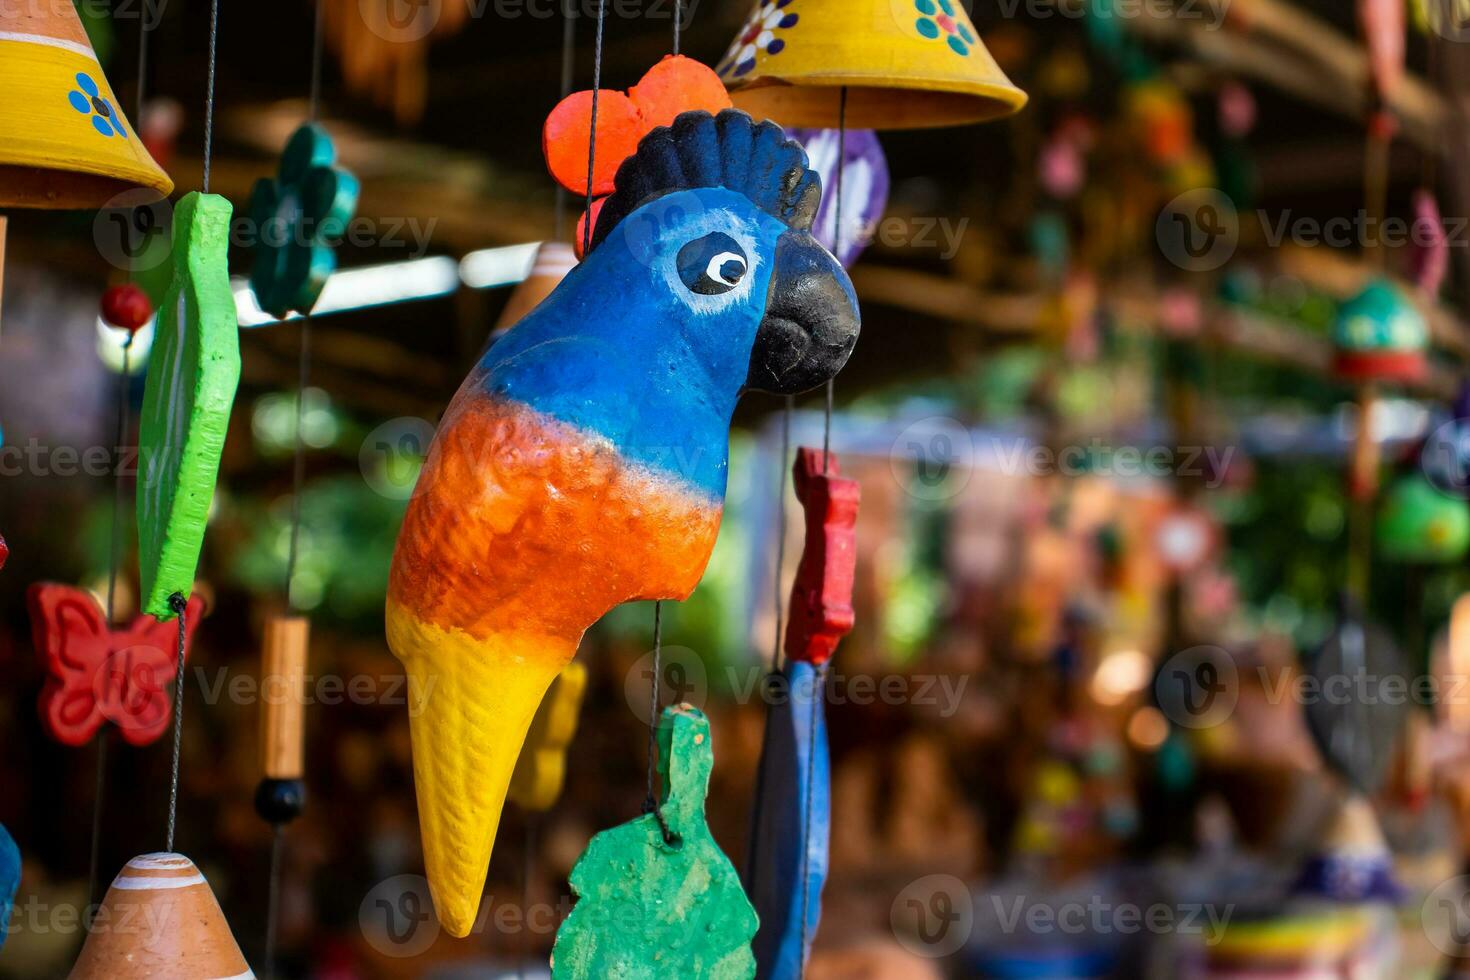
{"points": [[811, 323]]}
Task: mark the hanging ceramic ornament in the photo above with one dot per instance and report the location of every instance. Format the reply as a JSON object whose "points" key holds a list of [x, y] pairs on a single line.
{"points": [[787, 864], [905, 64], [67, 143], [1355, 864], [1379, 335], [1419, 525], [181, 932], [280, 796], [541, 771], [9, 879], [299, 216], [656, 897], [1445, 457], [1356, 733], [585, 458], [97, 675], [553, 261], [864, 186], [676, 84], [192, 374]]}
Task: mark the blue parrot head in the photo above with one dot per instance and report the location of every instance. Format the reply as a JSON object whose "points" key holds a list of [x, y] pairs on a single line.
{"points": [[712, 219]]}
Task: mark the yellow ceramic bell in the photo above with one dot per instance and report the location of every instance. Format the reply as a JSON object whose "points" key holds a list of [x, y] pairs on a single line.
{"points": [[906, 64], [66, 142]]}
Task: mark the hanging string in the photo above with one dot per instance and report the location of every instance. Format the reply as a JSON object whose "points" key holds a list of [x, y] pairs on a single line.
{"points": [[298, 481], [778, 656], [209, 98], [678, 17], [272, 902], [837, 248], [298, 460], [650, 802], [592, 130], [179, 605], [142, 67], [819, 680], [568, 55]]}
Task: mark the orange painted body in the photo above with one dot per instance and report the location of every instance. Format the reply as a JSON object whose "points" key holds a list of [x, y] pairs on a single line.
{"points": [[522, 533], [523, 523]]}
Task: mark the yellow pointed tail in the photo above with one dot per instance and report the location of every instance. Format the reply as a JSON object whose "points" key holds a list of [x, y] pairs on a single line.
{"points": [[471, 702]]}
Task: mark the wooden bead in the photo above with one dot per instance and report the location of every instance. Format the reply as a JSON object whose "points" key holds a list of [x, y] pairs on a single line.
{"points": [[283, 696], [160, 920]]}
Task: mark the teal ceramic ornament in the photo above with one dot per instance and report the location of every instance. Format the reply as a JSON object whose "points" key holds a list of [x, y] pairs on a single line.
{"points": [[1420, 525], [298, 217], [1380, 336], [654, 904]]}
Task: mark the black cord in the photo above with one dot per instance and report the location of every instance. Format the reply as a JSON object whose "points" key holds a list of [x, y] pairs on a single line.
{"points": [[778, 656], [209, 99], [273, 899], [298, 463], [592, 130], [316, 62], [678, 18], [180, 606]]}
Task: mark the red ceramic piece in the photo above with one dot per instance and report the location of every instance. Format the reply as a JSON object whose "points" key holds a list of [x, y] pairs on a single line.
{"points": [[565, 138], [676, 84], [95, 674], [4, 551], [126, 307], [821, 598]]}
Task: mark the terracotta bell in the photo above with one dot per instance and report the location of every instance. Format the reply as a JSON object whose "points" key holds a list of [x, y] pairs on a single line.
{"points": [[160, 920], [67, 142], [906, 64]]}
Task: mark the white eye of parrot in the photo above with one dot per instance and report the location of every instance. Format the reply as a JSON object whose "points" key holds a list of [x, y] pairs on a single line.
{"points": [[726, 268], [713, 264]]}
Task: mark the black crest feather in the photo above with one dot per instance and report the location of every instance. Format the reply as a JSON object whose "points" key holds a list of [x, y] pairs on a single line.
{"points": [[730, 150]]}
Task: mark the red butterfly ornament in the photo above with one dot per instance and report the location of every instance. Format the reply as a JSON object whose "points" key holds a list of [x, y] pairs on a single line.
{"points": [[95, 674]]}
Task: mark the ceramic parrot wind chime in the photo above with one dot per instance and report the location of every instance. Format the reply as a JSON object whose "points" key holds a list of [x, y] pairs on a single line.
{"points": [[566, 436], [842, 69]]}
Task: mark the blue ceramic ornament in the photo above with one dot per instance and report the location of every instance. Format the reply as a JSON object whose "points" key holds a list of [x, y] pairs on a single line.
{"points": [[9, 879]]}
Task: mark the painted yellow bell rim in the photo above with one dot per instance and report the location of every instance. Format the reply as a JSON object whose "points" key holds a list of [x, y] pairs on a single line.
{"points": [[906, 64], [66, 141]]}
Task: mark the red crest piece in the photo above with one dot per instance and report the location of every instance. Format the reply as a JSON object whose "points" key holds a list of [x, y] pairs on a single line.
{"points": [[821, 598], [674, 85], [95, 674]]}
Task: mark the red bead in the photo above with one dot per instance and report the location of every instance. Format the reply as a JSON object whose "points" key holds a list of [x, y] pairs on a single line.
{"points": [[821, 598], [126, 307]]}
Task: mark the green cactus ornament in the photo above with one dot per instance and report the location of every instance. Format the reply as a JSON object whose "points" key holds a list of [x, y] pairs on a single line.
{"points": [[654, 904]]}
